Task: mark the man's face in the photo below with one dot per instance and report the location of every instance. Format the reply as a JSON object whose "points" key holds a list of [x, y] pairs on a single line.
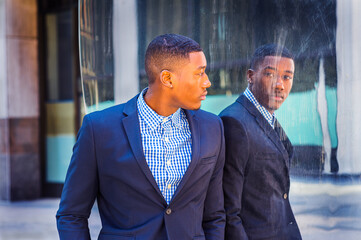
{"points": [[272, 81], [190, 82]]}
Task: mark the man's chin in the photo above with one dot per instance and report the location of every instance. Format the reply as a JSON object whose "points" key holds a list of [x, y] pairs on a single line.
{"points": [[274, 107], [193, 108]]}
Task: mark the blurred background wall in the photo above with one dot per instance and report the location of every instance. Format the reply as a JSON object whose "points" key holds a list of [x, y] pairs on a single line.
{"points": [[20, 167]]}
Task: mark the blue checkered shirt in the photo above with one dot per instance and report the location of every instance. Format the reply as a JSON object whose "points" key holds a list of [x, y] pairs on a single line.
{"points": [[265, 113], [167, 146]]}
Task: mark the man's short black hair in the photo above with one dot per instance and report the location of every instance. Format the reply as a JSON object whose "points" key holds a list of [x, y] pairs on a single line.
{"points": [[270, 49], [164, 51]]}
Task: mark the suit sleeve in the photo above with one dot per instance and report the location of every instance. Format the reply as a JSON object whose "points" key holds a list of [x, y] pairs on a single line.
{"points": [[80, 188], [237, 150], [214, 215]]}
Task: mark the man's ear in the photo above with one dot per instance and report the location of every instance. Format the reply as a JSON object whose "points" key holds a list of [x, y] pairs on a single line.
{"points": [[166, 78], [250, 75]]}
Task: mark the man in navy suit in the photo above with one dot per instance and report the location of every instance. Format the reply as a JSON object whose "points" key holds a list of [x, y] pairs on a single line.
{"points": [[155, 163], [256, 174]]}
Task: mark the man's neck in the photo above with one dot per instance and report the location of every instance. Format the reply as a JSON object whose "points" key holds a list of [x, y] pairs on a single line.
{"points": [[158, 101]]}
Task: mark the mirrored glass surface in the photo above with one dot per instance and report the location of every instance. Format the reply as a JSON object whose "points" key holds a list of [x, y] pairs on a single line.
{"points": [[321, 115]]}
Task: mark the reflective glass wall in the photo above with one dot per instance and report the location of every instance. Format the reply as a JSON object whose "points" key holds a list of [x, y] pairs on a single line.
{"points": [[61, 84], [321, 116]]}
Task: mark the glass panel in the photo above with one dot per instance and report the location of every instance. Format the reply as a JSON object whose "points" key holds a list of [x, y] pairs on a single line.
{"points": [[60, 107], [321, 115], [96, 51], [60, 66]]}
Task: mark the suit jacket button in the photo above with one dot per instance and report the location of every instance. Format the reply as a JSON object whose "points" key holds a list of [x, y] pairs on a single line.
{"points": [[285, 196], [168, 211]]}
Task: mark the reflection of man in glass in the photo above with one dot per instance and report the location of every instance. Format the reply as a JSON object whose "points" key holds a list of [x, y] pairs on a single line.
{"points": [[258, 153], [154, 164]]}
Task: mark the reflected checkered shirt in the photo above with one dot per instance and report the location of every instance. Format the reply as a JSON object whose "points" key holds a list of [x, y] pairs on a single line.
{"points": [[265, 113], [167, 146]]}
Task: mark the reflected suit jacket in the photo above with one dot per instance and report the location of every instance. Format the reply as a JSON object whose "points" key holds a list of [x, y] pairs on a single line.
{"points": [[108, 164], [256, 176]]}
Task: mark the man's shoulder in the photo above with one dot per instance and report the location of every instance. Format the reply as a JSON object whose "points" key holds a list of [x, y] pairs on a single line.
{"points": [[109, 117], [236, 109], [207, 119], [238, 114], [206, 115], [109, 112], [114, 112]]}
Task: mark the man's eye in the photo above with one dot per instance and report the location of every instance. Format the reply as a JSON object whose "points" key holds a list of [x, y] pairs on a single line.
{"points": [[287, 77], [268, 74]]}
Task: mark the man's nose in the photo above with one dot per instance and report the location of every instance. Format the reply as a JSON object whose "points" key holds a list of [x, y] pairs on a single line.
{"points": [[279, 83], [206, 83]]}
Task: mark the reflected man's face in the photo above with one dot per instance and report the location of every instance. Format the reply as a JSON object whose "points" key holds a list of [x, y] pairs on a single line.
{"points": [[271, 81]]}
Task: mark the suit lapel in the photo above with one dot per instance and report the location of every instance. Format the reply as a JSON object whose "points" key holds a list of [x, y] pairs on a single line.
{"points": [[275, 138], [266, 127], [194, 127], [132, 129], [284, 139]]}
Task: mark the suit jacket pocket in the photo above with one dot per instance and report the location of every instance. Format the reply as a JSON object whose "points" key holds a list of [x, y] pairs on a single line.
{"points": [[265, 161], [115, 236], [208, 160], [265, 156], [199, 237]]}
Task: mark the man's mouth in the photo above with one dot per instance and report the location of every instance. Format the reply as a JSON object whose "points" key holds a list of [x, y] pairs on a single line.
{"points": [[203, 96], [278, 97]]}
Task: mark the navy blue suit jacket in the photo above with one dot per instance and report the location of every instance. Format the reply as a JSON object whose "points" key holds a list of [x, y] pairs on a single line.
{"points": [[108, 164], [256, 176]]}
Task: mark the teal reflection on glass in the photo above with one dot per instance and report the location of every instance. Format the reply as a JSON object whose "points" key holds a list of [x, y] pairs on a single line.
{"points": [[59, 150]]}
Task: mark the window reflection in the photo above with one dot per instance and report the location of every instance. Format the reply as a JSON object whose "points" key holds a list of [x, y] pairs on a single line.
{"points": [[321, 116], [96, 50], [229, 32]]}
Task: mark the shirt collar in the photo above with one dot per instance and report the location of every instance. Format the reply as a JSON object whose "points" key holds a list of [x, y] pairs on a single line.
{"points": [[153, 119], [265, 113]]}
